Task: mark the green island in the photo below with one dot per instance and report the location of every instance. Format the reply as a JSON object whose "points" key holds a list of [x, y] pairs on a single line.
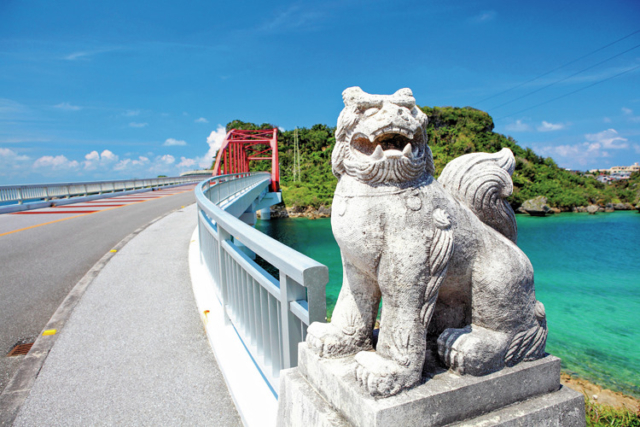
{"points": [[452, 132]]}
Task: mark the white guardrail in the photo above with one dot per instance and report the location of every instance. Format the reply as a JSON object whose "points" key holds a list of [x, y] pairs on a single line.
{"points": [[270, 316], [34, 192]]}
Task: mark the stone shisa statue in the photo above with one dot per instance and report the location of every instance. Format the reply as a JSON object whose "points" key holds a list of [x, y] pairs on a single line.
{"points": [[425, 246], [441, 255]]}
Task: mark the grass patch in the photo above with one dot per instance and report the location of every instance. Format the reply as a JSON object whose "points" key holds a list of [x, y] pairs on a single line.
{"points": [[600, 415]]}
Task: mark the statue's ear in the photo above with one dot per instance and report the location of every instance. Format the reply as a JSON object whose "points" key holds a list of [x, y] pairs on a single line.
{"points": [[404, 92], [350, 94]]}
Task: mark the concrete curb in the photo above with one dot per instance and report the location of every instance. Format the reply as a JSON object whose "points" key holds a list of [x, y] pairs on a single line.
{"points": [[255, 402], [19, 387], [79, 199]]}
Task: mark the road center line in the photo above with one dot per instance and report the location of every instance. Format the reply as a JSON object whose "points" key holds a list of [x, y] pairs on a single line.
{"points": [[77, 216]]}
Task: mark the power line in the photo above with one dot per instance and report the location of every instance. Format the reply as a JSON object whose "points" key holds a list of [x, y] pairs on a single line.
{"points": [[556, 69], [570, 93], [566, 78]]}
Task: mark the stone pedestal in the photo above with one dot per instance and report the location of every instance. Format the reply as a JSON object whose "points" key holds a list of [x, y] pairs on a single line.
{"points": [[323, 392]]}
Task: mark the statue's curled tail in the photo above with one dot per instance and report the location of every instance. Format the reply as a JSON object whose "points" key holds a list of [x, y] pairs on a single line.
{"points": [[482, 181]]}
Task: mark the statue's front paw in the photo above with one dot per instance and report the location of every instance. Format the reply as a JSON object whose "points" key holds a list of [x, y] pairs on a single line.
{"points": [[472, 351], [330, 342], [383, 377]]}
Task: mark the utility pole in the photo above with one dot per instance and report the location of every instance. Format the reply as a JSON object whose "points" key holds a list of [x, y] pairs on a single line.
{"points": [[296, 157]]}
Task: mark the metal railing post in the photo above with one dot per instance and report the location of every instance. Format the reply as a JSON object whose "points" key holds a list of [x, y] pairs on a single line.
{"points": [[223, 236], [290, 291]]}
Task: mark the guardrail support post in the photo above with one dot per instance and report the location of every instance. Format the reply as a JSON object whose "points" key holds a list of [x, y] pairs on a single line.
{"points": [[290, 291], [222, 254]]}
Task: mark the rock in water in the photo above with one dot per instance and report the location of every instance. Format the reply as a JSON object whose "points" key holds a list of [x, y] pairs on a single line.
{"points": [[537, 206]]}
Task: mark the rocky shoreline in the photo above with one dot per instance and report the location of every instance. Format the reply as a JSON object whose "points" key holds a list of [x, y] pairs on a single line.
{"points": [[281, 211], [599, 395], [538, 207]]}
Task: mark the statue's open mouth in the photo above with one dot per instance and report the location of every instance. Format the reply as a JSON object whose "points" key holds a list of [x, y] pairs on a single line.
{"points": [[390, 142]]}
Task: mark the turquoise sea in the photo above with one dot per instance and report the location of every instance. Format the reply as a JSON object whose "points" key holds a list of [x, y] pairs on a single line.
{"points": [[587, 274]]}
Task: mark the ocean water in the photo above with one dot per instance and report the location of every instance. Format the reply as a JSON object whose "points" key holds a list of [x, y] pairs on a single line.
{"points": [[587, 274]]}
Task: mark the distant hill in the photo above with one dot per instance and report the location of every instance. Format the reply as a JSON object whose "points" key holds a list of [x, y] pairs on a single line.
{"points": [[452, 132]]}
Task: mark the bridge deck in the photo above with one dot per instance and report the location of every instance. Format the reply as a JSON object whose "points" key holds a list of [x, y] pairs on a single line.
{"points": [[133, 351], [18, 221]]}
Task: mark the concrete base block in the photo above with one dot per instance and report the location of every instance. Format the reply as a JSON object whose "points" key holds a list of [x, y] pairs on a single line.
{"points": [[563, 408], [300, 405], [527, 394]]}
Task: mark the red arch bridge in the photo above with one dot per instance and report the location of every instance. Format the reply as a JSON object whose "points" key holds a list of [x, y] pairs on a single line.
{"points": [[241, 147]]}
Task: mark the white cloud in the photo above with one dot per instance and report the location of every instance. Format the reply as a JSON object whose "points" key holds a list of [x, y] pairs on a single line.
{"points": [[94, 155], [138, 125], [167, 159], [628, 112], [131, 163], [548, 127], [606, 120], [186, 163], [485, 16], [281, 129], [12, 163], [76, 55], [85, 54], [67, 107], [108, 156], [171, 142], [131, 113], [518, 126], [6, 153], [596, 146], [295, 17], [636, 147], [608, 139], [214, 140], [201, 120], [55, 163], [10, 108], [95, 160]]}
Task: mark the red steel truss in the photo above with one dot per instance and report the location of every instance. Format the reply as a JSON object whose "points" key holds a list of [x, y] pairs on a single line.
{"points": [[242, 146]]}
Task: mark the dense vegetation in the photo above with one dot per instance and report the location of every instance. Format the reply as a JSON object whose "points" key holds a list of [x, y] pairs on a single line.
{"points": [[452, 132]]}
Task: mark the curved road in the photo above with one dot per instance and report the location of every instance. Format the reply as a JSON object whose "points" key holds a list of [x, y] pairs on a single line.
{"points": [[44, 253]]}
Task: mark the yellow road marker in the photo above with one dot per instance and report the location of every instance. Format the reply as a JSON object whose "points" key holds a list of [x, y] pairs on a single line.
{"points": [[50, 332], [113, 250]]}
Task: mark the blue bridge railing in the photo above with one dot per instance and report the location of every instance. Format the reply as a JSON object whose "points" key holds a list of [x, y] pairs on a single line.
{"points": [[271, 315]]}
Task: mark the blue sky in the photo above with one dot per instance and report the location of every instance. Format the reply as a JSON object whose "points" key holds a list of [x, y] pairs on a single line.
{"points": [[120, 89]]}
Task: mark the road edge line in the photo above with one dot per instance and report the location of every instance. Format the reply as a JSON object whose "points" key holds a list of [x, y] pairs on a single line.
{"points": [[19, 386]]}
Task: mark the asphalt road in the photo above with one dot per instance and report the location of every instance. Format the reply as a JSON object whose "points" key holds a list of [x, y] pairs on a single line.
{"points": [[40, 265]]}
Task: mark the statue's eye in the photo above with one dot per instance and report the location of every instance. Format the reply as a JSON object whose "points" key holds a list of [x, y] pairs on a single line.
{"points": [[414, 111], [371, 111]]}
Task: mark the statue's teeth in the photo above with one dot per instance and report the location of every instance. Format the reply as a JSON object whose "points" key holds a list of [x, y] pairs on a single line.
{"points": [[372, 138], [377, 154], [407, 151]]}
